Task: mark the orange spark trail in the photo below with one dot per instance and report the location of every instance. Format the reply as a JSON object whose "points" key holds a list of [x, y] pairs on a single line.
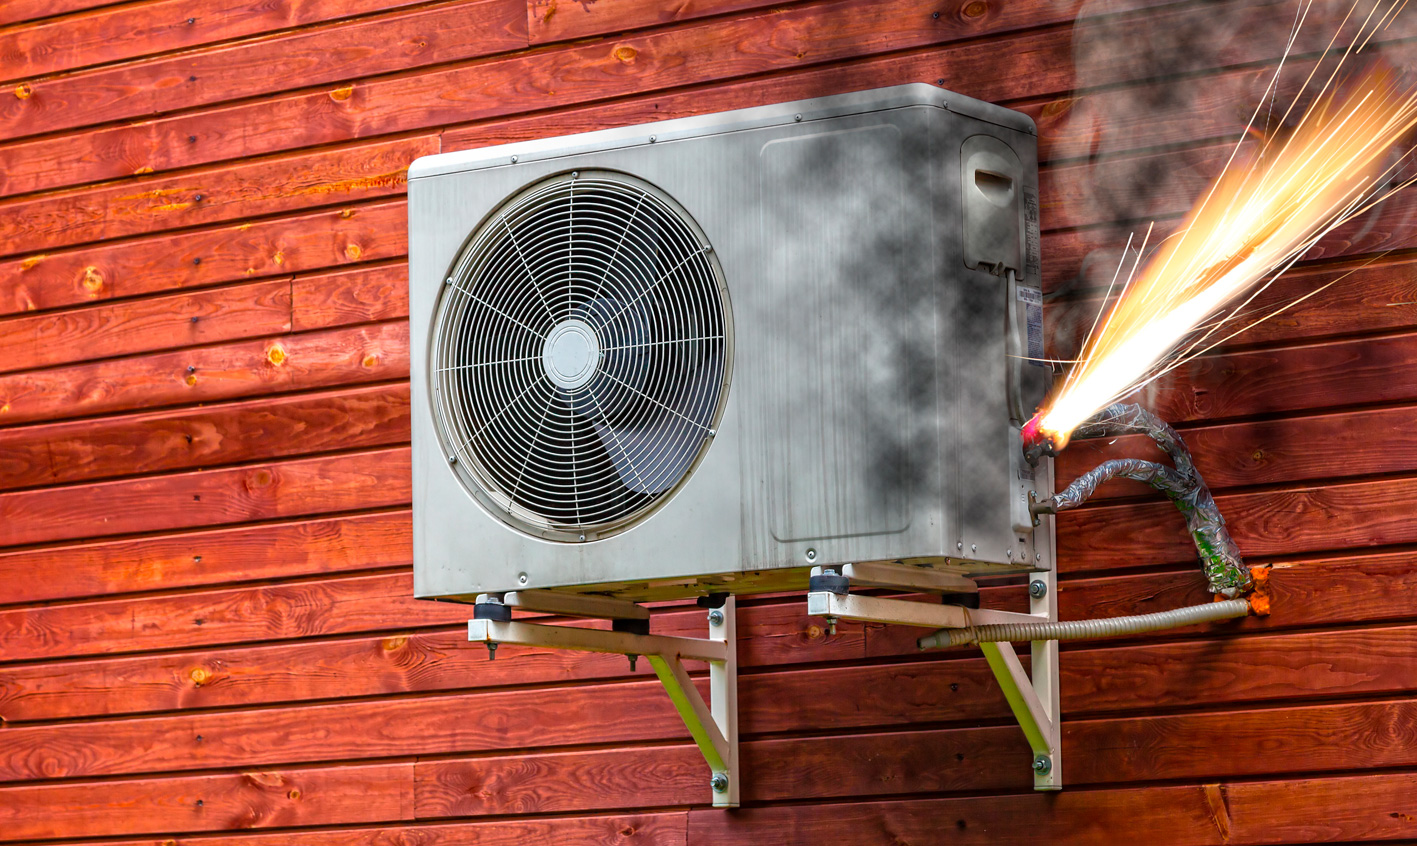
{"points": [[1259, 217]]}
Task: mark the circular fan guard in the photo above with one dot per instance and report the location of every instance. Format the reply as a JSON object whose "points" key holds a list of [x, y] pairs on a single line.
{"points": [[580, 356]]}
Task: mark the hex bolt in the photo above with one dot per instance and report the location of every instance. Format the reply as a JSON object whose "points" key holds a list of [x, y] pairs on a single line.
{"points": [[719, 783], [715, 617], [1037, 589], [1042, 765]]}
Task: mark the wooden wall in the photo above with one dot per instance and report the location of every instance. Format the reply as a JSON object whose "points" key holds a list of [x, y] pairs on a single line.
{"points": [[205, 623]]}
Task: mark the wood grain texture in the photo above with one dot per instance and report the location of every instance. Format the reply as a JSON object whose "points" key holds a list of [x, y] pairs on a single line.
{"points": [[1270, 452], [328, 177], [134, 30], [125, 328], [213, 618], [199, 258], [279, 550], [1035, 65], [253, 799], [1373, 807], [308, 57], [658, 829], [373, 353], [209, 436], [1289, 522], [356, 481], [16, 11], [353, 296]]}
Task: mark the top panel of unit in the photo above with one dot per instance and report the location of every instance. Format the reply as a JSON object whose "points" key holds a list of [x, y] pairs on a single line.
{"points": [[819, 108]]}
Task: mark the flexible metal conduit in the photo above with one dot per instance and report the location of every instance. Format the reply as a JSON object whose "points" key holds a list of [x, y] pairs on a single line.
{"points": [[1088, 629]]}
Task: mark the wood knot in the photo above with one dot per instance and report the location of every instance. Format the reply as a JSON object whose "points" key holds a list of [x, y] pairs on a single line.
{"points": [[261, 479], [342, 93], [293, 794], [191, 379], [92, 280], [1058, 107], [625, 54], [276, 355], [145, 169], [32, 262], [353, 251], [199, 676], [370, 361], [1257, 455], [278, 258], [23, 91], [976, 9], [346, 214], [395, 642], [814, 632]]}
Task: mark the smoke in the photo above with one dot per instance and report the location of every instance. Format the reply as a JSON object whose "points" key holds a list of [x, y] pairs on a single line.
{"points": [[1159, 100]]}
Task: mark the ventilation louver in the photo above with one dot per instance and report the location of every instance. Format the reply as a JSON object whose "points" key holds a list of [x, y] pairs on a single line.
{"points": [[580, 355]]}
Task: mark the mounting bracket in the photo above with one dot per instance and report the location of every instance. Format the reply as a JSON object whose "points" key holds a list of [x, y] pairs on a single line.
{"points": [[1033, 700], [714, 727]]}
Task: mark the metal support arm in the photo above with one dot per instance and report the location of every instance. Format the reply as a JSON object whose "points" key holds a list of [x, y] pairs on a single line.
{"points": [[1033, 700], [713, 727]]}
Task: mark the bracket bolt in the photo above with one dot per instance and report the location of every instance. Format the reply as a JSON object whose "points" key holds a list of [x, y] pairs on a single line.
{"points": [[715, 616], [719, 783], [1037, 588], [1042, 765]]}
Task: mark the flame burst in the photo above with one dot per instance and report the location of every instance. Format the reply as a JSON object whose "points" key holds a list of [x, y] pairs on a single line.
{"points": [[1258, 218]]}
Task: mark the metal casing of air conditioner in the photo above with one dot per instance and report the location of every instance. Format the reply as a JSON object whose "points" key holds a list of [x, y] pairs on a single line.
{"points": [[877, 257]]}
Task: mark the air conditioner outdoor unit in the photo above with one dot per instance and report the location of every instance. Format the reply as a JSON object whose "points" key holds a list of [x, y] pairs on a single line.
{"points": [[707, 355]]}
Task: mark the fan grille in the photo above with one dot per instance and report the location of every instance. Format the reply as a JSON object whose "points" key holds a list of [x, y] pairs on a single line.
{"points": [[580, 355]]}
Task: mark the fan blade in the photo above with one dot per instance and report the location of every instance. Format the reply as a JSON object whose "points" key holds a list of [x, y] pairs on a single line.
{"points": [[652, 456]]}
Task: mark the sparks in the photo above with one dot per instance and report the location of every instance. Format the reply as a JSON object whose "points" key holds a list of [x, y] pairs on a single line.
{"points": [[1267, 208]]}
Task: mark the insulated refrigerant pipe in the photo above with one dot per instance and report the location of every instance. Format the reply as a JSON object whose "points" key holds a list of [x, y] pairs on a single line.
{"points": [[1088, 629]]}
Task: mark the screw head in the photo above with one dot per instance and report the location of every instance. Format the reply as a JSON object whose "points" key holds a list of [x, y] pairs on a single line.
{"points": [[653, 139], [514, 159], [811, 555], [796, 117], [521, 578], [974, 547], [1037, 589], [715, 617], [452, 459], [959, 544], [1042, 764], [719, 783]]}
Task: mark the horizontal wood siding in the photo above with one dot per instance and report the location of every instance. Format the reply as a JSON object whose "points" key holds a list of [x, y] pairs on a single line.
{"points": [[207, 634]]}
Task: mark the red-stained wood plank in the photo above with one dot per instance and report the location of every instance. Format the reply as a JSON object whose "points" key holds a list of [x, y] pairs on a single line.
{"points": [[650, 829], [264, 428], [1332, 738], [1098, 679], [16, 11], [320, 55], [556, 20], [1319, 810], [254, 799], [351, 296], [241, 191], [1290, 522], [373, 353], [140, 29], [213, 618], [364, 480], [1034, 65], [281, 550], [124, 328], [1280, 451], [395, 662], [1309, 302], [246, 251]]}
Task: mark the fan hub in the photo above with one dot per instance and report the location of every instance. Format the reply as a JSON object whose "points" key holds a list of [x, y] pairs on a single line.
{"points": [[570, 354]]}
